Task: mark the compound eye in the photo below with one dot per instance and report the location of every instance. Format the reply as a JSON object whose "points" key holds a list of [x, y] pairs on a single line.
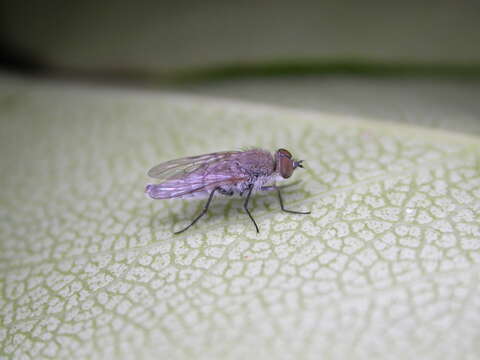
{"points": [[286, 153], [286, 167]]}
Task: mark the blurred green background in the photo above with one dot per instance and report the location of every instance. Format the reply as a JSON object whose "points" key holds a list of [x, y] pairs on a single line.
{"points": [[407, 61]]}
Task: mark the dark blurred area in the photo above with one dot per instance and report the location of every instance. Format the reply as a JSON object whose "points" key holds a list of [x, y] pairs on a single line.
{"points": [[142, 39]]}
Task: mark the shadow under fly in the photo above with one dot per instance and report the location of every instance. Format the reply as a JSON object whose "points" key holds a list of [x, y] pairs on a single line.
{"points": [[226, 173]]}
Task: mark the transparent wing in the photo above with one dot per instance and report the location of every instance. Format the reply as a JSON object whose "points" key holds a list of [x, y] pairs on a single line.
{"points": [[179, 168], [190, 185]]}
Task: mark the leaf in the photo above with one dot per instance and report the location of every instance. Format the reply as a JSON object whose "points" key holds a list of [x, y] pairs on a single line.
{"points": [[446, 104], [386, 266]]}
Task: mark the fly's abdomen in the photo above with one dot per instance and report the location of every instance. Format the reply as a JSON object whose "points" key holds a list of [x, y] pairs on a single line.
{"points": [[174, 189]]}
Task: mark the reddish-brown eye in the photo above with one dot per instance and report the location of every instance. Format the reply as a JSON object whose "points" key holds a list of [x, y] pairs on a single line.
{"points": [[284, 152], [286, 167]]}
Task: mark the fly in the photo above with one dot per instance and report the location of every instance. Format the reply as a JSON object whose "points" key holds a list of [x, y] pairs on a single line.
{"points": [[227, 173]]}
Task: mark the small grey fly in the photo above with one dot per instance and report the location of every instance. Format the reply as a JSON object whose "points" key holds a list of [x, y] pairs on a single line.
{"points": [[228, 173]]}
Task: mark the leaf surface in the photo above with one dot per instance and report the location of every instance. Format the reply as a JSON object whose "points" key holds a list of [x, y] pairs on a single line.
{"points": [[386, 266]]}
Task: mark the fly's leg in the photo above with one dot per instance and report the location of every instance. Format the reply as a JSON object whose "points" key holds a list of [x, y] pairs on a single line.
{"points": [[245, 206], [204, 211], [225, 192], [269, 188]]}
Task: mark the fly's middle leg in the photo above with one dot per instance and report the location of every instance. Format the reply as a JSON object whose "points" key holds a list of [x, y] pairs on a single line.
{"points": [[204, 211], [245, 206], [280, 199]]}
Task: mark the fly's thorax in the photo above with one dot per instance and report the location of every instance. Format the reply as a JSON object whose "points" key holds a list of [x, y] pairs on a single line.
{"points": [[255, 163], [260, 181], [243, 187]]}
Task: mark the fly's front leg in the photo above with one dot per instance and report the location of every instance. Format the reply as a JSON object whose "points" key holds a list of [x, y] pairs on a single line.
{"points": [[245, 206], [273, 187], [204, 211]]}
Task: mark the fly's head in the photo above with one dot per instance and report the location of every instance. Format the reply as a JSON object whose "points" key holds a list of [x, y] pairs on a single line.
{"points": [[285, 164]]}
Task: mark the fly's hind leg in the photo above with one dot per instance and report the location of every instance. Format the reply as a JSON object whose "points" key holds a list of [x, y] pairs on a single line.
{"points": [[204, 211], [273, 187]]}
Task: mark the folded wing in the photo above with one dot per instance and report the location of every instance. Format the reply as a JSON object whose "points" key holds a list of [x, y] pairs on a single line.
{"points": [[194, 176], [181, 167]]}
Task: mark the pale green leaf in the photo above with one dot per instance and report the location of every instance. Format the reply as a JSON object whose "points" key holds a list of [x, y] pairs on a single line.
{"points": [[385, 267]]}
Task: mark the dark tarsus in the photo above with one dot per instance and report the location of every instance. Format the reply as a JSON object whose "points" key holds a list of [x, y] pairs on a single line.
{"points": [[204, 211], [286, 210], [245, 205]]}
